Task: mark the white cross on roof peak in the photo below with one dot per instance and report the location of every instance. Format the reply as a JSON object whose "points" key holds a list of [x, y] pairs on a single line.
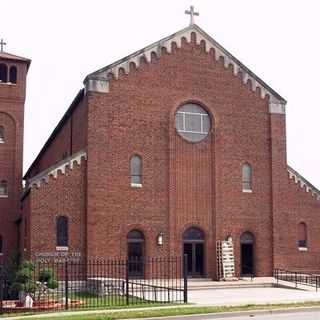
{"points": [[192, 14]]}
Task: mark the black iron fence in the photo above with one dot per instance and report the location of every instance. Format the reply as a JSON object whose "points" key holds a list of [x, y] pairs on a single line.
{"points": [[63, 285], [302, 278]]}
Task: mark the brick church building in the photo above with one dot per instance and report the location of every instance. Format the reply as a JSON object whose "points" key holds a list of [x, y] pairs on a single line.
{"points": [[163, 152]]}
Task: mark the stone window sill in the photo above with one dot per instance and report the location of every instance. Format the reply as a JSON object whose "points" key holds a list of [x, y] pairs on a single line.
{"points": [[136, 185], [303, 249], [8, 83], [3, 196], [1, 141], [246, 191], [62, 248], [1, 254]]}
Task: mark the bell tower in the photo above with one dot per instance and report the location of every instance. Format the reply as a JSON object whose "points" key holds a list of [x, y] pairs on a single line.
{"points": [[13, 73]]}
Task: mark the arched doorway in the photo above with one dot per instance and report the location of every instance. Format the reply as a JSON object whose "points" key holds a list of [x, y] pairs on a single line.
{"points": [[193, 247], [135, 241], [247, 254]]}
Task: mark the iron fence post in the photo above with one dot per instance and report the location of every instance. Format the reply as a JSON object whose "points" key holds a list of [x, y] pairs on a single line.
{"points": [[66, 285], [185, 278], [127, 282]]}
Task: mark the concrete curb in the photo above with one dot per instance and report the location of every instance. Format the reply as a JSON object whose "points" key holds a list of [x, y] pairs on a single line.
{"points": [[199, 316], [236, 314]]}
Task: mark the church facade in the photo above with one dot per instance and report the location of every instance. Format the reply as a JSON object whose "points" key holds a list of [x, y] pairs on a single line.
{"points": [[164, 153]]}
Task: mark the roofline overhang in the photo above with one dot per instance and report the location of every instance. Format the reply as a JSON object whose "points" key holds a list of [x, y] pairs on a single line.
{"points": [[11, 57], [158, 44]]}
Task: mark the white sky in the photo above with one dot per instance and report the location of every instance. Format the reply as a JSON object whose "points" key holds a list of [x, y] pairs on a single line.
{"points": [[67, 39]]}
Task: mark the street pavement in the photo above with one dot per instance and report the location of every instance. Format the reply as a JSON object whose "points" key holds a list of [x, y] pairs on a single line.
{"points": [[288, 316], [310, 315]]}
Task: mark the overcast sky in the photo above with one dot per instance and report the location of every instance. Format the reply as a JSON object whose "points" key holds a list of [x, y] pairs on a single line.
{"points": [[67, 39]]}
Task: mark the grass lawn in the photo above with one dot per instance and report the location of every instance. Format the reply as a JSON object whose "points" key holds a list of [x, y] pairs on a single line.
{"points": [[179, 310], [92, 301]]}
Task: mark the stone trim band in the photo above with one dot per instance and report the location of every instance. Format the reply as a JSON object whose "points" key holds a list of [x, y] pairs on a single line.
{"points": [[303, 183], [53, 170], [99, 81]]}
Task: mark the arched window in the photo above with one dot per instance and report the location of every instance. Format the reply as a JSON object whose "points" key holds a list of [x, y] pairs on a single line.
{"points": [[62, 231], [136, 170], [1, 244], [13, 74], [302, 235], [246, 178], [3, 188], [247, 238], [135, 236], [1, 134], [3, 73], [193, 234]]}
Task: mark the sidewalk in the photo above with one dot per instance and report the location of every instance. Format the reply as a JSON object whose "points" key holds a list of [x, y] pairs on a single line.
{"points": [[245, 296]]}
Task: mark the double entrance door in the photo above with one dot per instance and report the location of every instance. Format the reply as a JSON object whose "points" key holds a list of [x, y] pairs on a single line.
{"points": [[193, 247], [195, 252]]}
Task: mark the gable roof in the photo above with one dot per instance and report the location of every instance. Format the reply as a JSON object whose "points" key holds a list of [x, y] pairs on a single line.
{"points": [[9, 56], [155, 48], [101, 75]]}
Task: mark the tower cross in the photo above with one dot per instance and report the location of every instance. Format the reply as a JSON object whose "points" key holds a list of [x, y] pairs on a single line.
{"points": [[192, 13], [2, 44]]}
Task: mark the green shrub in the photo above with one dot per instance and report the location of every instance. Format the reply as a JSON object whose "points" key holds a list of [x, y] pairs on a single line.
{"points": [[25, 280]]}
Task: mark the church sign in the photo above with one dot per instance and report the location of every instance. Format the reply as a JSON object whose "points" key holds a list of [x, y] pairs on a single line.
{"points": [[58, 256]]}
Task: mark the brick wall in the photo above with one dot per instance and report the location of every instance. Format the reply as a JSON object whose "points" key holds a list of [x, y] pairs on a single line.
{"points": [[184, 184], [12, 97], [64, 195], [299, 206]]}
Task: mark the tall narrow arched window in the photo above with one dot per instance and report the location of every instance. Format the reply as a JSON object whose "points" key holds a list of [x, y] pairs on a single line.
{"points": [[136, 170], [13, 74], [62, 231], [246, 178], [1, 134], [3, 72], [1, 244], [302, 235], [3, 188]]}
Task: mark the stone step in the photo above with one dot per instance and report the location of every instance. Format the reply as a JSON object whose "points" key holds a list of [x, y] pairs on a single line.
{"points": [[231, 286]]}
